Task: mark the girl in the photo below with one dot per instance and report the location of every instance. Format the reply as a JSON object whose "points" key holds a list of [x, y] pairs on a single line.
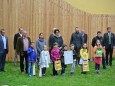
{"points": [[97, 56], [44, 61], [64, 48], [72, 47], [84, 56], [31, 60], [55, 55]]}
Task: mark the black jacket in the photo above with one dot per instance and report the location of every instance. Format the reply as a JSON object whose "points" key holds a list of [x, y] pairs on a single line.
{"points": [[53, 39], [95, 39], [76, 39], [16, 36], [84, 37]]}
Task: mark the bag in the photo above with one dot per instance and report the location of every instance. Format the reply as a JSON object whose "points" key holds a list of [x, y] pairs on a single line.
{"points": [[99, 52], [33, 69], [85, 65], [58, 65]]}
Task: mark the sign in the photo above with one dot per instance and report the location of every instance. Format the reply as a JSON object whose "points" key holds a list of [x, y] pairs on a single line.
{"points": [[68, 57]]}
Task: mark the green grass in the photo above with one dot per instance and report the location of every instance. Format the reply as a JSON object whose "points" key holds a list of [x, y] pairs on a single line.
{"points": [[13, 77]]}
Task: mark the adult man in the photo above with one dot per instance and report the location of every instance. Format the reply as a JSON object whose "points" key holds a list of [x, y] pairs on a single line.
{"points": [[99, 37], [22, 46], [76, 39], [16, 36], [84, 36], [3, 49], [109, 44]]}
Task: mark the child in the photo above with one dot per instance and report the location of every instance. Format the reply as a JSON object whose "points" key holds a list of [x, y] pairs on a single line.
{"points": [[97, 56], [64, 48], [31, 60], [84, 56], [44, 61], [55, 55], [72, 47]]}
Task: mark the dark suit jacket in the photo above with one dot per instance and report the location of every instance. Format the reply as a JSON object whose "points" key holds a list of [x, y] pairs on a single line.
{"points": [[85, 38], [16, 36], [106, 40], [76, 39], [20, 45], [2, 44]]}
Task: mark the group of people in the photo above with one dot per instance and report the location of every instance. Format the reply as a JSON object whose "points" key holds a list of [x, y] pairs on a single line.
{"points": [[43, 55]]}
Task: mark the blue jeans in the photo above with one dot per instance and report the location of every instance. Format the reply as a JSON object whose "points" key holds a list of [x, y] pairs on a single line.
{"points": [[29, 68]]}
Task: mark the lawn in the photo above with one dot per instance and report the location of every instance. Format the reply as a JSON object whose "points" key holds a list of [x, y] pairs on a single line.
{"points": [[13, 77]]}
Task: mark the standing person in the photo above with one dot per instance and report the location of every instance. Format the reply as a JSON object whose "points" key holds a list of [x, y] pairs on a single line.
{"points": [[56, 37], [31, 59], [44, 60], [55, 55], [98, 56], [99, 37], [64, 48], [3, 49], [109, 44], [72, 47], [76, 39], [16, 36], [22, 46], [84, 36], [39, 45], [84, 56], [51, 40]]}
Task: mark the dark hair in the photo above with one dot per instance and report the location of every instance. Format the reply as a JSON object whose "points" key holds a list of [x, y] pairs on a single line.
{"points": [[19, 28], [56, 31], [98, 32], [55, 43], [72, 45], [76, 27], [64, 45], [108, 28]]}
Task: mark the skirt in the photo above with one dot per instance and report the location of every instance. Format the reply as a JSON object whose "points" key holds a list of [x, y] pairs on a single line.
{"points": [[98, 60]]}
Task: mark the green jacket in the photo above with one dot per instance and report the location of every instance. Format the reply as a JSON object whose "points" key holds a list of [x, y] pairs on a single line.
{"points": [[20, 45]]}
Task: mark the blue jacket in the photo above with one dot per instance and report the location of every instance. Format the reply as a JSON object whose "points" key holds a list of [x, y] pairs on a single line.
{"points": [[2, 44], [31, 54]]}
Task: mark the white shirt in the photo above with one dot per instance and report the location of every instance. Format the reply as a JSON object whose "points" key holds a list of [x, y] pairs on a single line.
{"points": [[20, 34], [4, 41]]}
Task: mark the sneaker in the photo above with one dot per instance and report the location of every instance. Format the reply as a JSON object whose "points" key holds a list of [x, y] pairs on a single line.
{"points": [[30, 75], [63, 74], [72, 73]]}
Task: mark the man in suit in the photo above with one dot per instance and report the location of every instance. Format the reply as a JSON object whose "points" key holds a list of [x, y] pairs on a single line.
{"points": [[16, 36], [84, 36], [3, 49], [22, 46], [76, 39], [99, 37], [109, 44]]}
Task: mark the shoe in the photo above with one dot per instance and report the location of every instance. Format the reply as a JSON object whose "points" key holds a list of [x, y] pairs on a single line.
{"points": [[72, 73], [98, 71], [2, 70], [30, 75], [104, 67], [63, 74]]}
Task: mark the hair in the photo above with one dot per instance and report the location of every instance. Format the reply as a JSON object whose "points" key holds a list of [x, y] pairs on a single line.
{"points": [[56, 31], [19, 28], [86, 47], [108, 28], [31, 43], [55, 44], [64, 45], [96, 42], [72, 45], [98, 32], [40, 34], [76, 27], [1, 30]]}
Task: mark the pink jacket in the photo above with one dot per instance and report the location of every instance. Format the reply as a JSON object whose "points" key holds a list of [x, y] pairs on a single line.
{"points": [[55, 54]]}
